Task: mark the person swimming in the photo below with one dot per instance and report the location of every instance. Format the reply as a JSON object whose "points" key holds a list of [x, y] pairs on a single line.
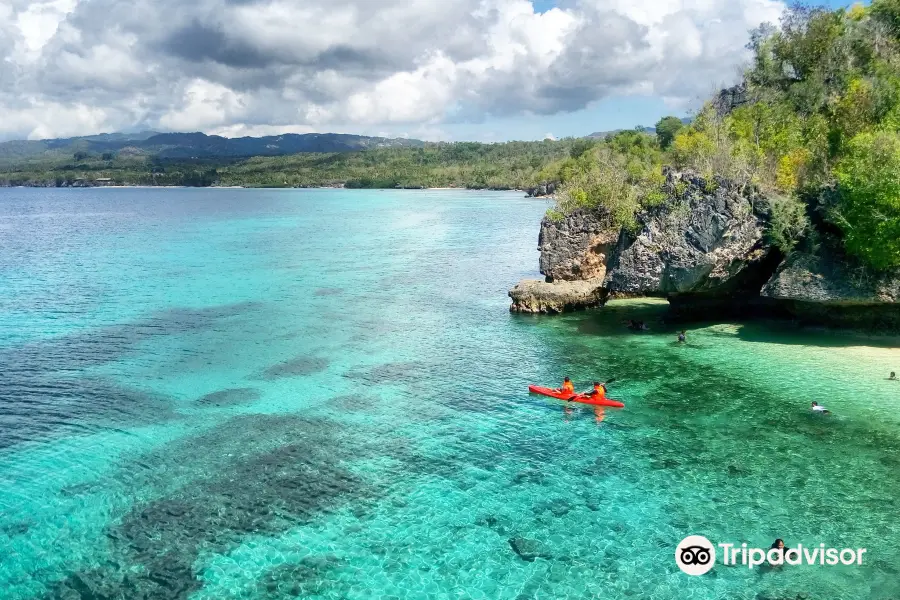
{"points": [[682, 337], [893, 376], [821, 409]]}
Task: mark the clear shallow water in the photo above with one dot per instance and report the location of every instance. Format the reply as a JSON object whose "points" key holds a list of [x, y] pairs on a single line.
{"points": [[319, 394]]}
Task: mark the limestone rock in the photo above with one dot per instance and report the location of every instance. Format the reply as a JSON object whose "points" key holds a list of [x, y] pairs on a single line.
{"points": [[704, 247], [541, 190], [535, 296], [707, 237], [576, 247], [731, 98], [825, 288], [826, 277]]}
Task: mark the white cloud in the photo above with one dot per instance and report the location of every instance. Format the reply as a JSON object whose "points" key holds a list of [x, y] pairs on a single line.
{"points": [[250, 66]]}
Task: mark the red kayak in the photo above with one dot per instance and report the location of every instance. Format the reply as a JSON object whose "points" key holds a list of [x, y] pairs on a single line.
{"points": [[574, 397]]}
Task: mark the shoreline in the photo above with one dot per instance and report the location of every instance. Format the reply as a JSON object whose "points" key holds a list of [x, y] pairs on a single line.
{"points": [[250, 187]]}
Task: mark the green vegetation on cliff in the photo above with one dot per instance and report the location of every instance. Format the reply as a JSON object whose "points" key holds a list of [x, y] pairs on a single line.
{"points": [[815, 126]]}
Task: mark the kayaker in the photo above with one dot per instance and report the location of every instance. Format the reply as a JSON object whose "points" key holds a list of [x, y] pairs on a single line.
{"points": [[821, 409], [567, 387], [598, 393]]}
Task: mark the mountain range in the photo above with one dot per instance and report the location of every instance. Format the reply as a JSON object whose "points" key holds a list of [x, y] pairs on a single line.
{"points": [[196, 145], [202, 146]]}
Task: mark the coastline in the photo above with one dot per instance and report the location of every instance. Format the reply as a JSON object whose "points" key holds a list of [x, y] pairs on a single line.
{"points": [[251, 187]]}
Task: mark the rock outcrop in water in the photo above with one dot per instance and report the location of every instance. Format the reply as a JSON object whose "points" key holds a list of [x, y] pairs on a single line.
{"points": [[534, 296], [704, 248], [826, 287], [541, 190]]}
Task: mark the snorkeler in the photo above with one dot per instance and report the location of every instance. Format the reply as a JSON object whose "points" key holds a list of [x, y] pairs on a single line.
{"points": [[635, 325], [821, 409]]}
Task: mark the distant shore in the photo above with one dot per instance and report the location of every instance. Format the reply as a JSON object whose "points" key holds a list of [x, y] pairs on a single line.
{"points": [[234, 187]]}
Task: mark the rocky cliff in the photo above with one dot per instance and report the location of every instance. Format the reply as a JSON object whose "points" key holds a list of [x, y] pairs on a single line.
{"points": [[705, 249], [827, 287], [541, 190]]}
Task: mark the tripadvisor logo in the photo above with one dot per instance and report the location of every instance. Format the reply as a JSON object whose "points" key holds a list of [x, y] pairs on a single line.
{"points": [[696, 555]]}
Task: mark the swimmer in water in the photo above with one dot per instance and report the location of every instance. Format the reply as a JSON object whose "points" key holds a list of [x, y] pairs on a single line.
{"points": [[821, 409]]}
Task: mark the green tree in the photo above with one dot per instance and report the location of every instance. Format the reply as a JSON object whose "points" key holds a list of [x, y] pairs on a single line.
{"points": [[581, 146], [868, 210], [666, 130], [888, 13]]}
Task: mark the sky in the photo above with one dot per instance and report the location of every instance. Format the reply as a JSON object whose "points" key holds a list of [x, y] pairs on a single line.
{"points": [[482, 70]]}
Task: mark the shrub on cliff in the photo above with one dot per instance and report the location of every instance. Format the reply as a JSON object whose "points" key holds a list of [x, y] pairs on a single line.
{"points": [[868, 209], [788, 222], [622, 175]]}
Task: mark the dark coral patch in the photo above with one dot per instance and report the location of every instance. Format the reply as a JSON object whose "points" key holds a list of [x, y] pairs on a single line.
{"points": [[230, 397], [296, 367], [311, 577], [42, 394], [264, 474], [33, 407], [400, 372]]}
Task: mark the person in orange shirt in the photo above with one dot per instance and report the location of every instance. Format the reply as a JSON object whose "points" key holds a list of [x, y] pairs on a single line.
{"points": [[567, 387], [599, 391]]}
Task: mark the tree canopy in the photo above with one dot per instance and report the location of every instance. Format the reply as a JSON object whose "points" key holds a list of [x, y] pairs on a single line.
{"points": [[666, 130]]}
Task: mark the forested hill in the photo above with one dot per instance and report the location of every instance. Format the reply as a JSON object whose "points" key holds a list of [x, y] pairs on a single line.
{"points": [[511, 165], [191, 145]]}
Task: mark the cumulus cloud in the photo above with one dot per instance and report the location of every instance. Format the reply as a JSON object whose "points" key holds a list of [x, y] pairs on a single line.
{"points": [[240, 67]]}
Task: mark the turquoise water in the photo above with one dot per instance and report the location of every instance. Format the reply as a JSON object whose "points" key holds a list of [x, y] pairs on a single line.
{"points": [[257, 394]]}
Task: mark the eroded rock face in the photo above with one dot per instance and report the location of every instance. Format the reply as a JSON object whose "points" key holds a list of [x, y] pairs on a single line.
{"points": [[829, 278], [707, 237], [731, 98], [576, 247], [541, 190], [824, 288], [536, 297]]}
